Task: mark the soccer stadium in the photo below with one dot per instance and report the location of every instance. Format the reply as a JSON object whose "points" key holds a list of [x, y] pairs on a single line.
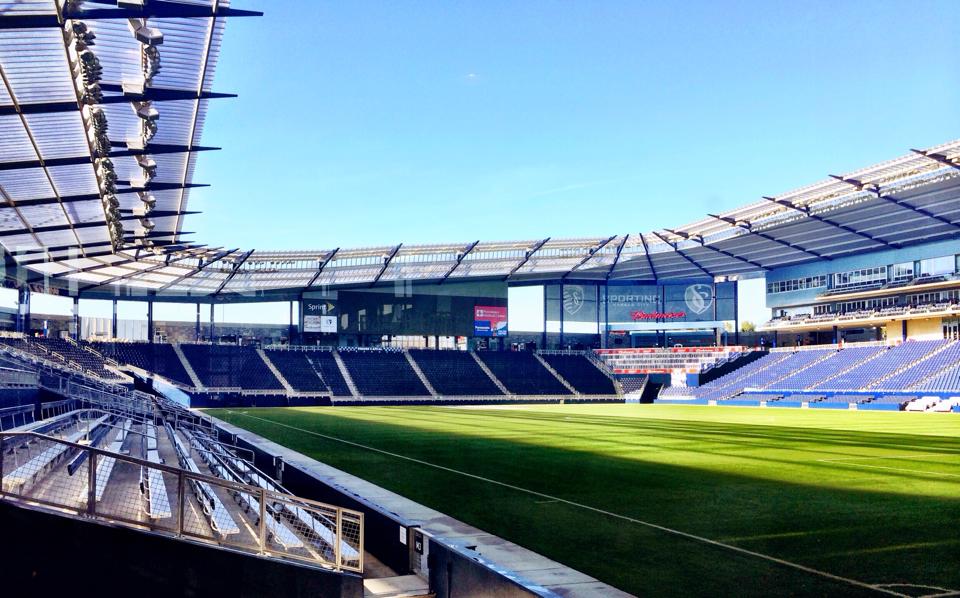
{"points": [[398, 433]]}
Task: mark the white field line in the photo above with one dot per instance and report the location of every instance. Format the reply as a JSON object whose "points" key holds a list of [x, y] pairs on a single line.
{"points": [[920, 471], [924, 456], [682, 534]]}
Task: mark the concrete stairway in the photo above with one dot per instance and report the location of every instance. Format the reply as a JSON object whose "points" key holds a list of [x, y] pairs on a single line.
{"points": [[487, 371], [273, 368], [346, 375], [556, 374], [420, 374], [186, 365]]}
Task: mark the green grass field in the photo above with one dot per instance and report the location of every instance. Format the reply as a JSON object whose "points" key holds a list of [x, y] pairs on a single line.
{"points": [[872, 497]]}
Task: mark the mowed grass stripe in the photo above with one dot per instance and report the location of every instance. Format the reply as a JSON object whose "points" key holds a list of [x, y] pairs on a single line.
{"points": [[740, 477]]}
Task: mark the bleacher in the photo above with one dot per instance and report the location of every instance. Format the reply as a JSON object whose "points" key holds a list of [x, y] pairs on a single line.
{"points": [[581, 373], [383, 373], [63, 353], [159, 358], [902, 357], [230, 366], [838, 376], [298, 369], [326, 364], [454, 373], [521, 373], [824, 374], [653, 360]]}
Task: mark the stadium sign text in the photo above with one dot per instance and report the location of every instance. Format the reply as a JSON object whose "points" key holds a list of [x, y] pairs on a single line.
{"points": [[657, 315]]}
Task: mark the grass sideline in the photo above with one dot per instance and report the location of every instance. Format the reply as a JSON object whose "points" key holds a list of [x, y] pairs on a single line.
{"points": [[874, 497]]}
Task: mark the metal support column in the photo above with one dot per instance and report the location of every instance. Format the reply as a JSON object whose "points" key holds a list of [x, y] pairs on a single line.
{"points": [[150, 330], [604, 338], [75, 326], [560, 300], [543, 344], [736, 313], [213, 333], [196, 328], [113, 321], [290, 329], [23, 310]]}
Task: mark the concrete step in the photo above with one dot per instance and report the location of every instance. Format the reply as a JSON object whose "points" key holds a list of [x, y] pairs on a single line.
{"points": [[407, 586], [274, 369]]}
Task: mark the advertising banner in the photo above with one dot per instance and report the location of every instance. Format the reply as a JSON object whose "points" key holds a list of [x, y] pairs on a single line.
{"points": [[489, 320], [319, 315]]}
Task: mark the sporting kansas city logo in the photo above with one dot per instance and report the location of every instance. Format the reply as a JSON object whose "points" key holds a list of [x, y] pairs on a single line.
{"points": [[572, 298], [699, 297]]}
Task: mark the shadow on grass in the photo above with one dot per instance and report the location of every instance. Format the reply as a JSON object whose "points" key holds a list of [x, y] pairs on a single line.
{"points": [[854, 531]]}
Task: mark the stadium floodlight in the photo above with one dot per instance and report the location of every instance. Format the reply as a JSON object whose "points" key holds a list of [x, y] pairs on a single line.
{"points": [[148, 164], [148, 36], [147, 224], [149, 62], [149, 201], [149, 131], [147, 111]]}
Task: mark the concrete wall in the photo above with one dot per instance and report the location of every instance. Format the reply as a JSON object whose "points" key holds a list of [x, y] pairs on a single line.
{"points": [[926, 329], [53, 555]]}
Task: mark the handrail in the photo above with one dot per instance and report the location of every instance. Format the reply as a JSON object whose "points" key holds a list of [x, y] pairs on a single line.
{"points": [[263, 495]]}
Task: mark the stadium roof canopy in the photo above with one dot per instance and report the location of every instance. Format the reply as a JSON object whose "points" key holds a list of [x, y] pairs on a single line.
{"points": [[102, 106]]}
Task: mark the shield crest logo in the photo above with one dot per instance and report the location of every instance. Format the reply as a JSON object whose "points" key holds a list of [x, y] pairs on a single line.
{"points": [[572, 298], [699, 297]]}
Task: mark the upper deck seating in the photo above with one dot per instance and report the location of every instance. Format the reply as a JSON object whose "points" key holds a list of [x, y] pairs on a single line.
{"points": [[521, 373], [230, 366], [159, 358], [582, 374], [383, 374], [454, 373]]}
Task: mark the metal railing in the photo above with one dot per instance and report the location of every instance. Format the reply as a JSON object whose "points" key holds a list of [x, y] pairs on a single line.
{"points": [[147, 495]]}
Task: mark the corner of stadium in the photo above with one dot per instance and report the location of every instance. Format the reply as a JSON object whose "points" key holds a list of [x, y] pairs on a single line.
{"points": [[396, 437]]}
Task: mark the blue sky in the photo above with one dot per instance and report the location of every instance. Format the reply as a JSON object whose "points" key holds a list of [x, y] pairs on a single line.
{"points": [[371, 123], [362, 123]]}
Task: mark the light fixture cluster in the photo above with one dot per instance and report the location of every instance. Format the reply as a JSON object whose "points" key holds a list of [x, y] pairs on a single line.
{"points": [[88, 73], [149, 38]]}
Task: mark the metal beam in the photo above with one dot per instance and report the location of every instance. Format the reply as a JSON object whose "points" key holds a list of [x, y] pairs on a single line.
{"points": [[167, 261], [160, 95], [806, 212], [99, 266], [699, 239], [200, 267], [152, 150], [60, 227], [938, 158], [326, 260], [152, 9], [590, 254], [236, 268], [749, 228], [682, 254], [616, 258], [43, 201], [875, 191], [386, 263], [646, 253], [465, 253], [526, 257]]}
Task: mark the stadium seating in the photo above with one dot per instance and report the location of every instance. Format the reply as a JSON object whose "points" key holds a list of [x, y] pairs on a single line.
{"points": [[298, 370], [159, 358], [824, 375], [927, 368], [454, 373], [230, 366], [870, 374], [581, 373], [521, 373], [383, 373], [58, 350], [326, 365]]}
